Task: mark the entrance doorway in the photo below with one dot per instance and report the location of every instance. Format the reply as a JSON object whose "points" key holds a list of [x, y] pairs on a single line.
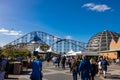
{"points": [[118, 54]]}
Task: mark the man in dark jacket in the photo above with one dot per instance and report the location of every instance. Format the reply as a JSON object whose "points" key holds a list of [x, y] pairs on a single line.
{"points": [[85, 68], [104, 64], [63, 62], [36, 69]]}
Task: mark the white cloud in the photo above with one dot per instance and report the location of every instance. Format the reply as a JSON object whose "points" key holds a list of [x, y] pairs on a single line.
{"points": [[88, 5], [68, 37], [2, 30], [10, 32], [97, 7]]}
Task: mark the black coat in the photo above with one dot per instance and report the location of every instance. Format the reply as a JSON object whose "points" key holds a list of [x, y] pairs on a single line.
{"points": [[94, 69]]}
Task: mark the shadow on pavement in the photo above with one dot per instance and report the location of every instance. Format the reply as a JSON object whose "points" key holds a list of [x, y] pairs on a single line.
{"points": [[26, 72], [11, 79], [113, 77]]}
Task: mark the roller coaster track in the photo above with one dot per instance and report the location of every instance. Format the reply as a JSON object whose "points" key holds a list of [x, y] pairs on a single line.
{"points": [[58, 44]]}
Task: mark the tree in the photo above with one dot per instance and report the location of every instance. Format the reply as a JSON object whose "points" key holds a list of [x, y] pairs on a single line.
{"points": [[11, 51], [22, 52], [8, 51]]}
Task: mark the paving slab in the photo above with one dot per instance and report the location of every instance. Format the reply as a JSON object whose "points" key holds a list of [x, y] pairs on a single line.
{"points": [[54, 73]]}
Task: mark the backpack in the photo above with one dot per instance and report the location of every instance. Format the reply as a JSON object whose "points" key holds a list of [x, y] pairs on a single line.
{"points": [[74, 69], [104, 63], [78, 62]]}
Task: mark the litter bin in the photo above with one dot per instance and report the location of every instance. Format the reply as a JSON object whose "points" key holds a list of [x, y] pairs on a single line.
{"points": [[17, 68]]}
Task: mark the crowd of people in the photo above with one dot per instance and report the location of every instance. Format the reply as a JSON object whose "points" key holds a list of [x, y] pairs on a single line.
{"points": [[86, 67]]}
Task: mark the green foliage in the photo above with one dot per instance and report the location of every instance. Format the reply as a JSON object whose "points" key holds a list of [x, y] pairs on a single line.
{"points": [[11, 62], [10, 51], [21, 53]]}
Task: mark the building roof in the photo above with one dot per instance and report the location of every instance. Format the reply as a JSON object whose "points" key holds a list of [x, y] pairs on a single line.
{"points": [[113, 50], [101, 41]]}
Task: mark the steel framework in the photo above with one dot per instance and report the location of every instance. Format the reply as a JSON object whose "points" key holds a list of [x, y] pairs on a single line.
{"points": [[59, 45], [101, 41]]}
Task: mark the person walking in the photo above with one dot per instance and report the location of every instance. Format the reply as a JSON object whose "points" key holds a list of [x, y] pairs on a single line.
{"points": [[3, 67], [104, 64], [36, 69], [74, 69], [59, 58], [84, 68], [94, 69], [63, 62], [99, 67], [48, 61]]}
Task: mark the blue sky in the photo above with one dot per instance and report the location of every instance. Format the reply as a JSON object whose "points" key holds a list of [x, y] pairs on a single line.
{"points": [[76, 19]]}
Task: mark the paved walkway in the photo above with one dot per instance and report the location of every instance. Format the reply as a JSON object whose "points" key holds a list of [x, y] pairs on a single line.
{"points": [[52, 73], [113, 72]]}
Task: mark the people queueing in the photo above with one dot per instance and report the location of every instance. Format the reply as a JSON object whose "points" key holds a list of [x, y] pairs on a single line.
{"points": [[104, 64], [36, 69], [94, 69], [85, 68], [74, 69]]}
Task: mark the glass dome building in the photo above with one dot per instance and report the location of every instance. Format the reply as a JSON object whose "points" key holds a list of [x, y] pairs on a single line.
{"points": [[101, 40]]}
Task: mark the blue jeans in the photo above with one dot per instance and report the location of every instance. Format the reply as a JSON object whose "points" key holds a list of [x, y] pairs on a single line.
{"points": [[85, 78], [35, 77], [74, 76]]}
